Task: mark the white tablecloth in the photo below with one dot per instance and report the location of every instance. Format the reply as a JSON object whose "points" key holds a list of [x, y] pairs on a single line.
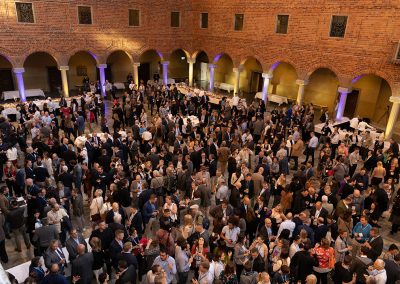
{"points": [[8, 111], [224, 86], [194, 119], [273, 98], [119, 85], [8, 95]]}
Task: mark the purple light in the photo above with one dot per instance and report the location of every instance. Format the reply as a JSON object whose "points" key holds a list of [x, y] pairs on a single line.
{"points": [[276, 64], [216, 58], [341, 106], [357, 78], [21, 86]]}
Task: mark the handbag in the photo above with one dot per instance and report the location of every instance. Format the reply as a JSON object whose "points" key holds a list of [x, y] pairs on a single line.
{"points": [[96, 217]]}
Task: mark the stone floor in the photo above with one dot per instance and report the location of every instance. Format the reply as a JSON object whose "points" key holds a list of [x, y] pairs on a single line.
{"points": [[16, 258]]}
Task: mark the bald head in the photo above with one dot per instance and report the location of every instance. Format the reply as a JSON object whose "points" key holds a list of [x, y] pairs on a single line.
{"points": [[379, 264], [80, 249]]}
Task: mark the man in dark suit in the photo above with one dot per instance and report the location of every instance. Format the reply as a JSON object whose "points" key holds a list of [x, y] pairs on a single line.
{"points": [[116, 247], [65, 177], [54, 255], [90, 151], [317, 211], [44, 235], [104, 234], [374, 244], [224, 210], [320, 230], [115, 210], [81, 265], [247, 186], [104, 160], [235, 198], [126, 273], [135, 220], [127, 255], [257, 263], [392, 268], [73, 243]]}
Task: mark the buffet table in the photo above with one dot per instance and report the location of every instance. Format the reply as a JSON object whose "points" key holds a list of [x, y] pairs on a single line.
{"points": [[10, 95], [119, 85], [224, 86], [273, 98]]}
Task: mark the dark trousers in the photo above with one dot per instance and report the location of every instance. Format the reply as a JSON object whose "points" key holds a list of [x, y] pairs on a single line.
{"points": [[322, 278], [310, 152], [183, 277], [352, 169], [3, 253], [395, 227], [296, 162], [333, 153]]}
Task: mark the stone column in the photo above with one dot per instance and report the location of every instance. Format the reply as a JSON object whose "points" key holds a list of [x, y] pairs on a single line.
{"points": [[300, 93], [136, 73], [237, 80], [342, 102], [64, 80], [20, 81], [102, 78], [165, 72], [267, 77], [394, 114], [191, 62], [212, 69]]}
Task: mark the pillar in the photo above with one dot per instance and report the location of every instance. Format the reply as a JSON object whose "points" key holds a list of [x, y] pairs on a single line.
{"points": [[102, 78], [191, 62], [300, 93], [165, 72], [394, 114], [20, 81], [212, 69], [342, 102], [136, 73], [237, 80], [64, 80], [267, 77]]}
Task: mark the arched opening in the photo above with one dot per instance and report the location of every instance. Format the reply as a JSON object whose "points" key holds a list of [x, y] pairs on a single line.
{"points": [[119, 66], [251, 80], [178, 68], [6, 75], [224, 71], [150, 66], [322, 89], [283, 82], [369, 99], [41, 72], [201, 74], [82, 65]]}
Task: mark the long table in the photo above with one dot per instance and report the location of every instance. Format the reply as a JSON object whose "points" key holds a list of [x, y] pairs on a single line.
{"points": [[10, 95], [273, 98]]}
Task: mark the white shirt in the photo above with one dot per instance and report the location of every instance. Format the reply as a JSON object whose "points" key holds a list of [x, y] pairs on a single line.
{"points": [[12, 154], [313, 142], [231, 235], [205, 278], [354, 122], [287, 224]]}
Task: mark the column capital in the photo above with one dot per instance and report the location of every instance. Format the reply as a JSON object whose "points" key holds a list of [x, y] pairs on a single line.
{"points": [[136, 64], [344, 90], [102, 66], [239, 68], [302, 82], [19, 70], [212, 66], [165, 63], [267, 76], [191, 60], [66, 68], [394, 99]]}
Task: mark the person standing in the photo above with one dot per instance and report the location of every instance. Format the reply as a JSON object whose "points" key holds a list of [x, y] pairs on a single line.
{"points": [[168, 265], [82, 266]]}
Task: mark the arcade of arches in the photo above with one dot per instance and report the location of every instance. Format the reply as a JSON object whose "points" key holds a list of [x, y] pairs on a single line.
{"points": [[367, 95]]}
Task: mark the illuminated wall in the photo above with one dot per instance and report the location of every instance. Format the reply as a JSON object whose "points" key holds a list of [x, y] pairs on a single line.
{"points": [[81, 59], [224, 71], [283, 82], [36, 73], [121, 66], [251, 65]]}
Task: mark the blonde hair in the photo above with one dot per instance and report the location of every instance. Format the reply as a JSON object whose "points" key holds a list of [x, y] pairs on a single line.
{"points": [[188, 220], [311, 279], [95, 243]]}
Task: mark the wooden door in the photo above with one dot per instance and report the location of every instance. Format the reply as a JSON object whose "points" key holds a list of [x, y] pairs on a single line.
{"points": [[351, 104], [55, 81], [6, 80], [255, 80]]}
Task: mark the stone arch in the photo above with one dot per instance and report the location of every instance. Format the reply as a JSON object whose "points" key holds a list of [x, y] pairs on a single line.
{"points": [[318, 66], [92, 54], [56, 59], [110, 52], [172, 51], [283, 75], [144, 50], [197, 52], [364, 72], [373, 90], [278, 62], [251, 80], [250, 57]]}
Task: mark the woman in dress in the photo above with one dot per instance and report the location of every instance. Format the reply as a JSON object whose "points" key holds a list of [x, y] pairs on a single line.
{"points": [[378, 174]]}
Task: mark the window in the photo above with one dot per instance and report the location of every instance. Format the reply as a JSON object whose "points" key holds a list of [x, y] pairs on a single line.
{"points": [[85, 15], [338, 26], [239, 22], [282, 23], [204, 20], [25, 12], [134, 18], [175, 19]]}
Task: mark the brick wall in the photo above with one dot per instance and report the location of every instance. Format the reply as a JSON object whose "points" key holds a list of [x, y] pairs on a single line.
{"points": [[368, 47]]}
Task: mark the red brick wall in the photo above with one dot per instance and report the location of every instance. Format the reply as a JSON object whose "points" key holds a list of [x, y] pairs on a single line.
{"points": [[368, 47]]}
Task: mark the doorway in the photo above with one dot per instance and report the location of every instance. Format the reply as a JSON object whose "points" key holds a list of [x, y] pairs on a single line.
{"points": [[256, 82], [108, 73], [144, 72], [54, 76], [351, 104], [6, 80]]}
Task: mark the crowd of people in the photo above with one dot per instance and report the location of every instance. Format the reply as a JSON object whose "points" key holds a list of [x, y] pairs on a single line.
{"points": [[245, 195]]}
